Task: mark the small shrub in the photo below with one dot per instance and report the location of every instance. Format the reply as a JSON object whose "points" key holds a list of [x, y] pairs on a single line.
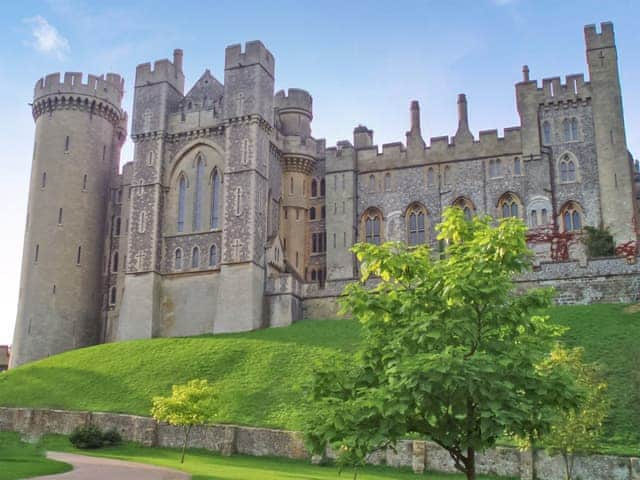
{"points": [[87, 437], [111, 437], [599, 242]]}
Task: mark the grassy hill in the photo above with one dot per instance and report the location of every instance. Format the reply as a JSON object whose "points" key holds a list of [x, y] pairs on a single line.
{"points": [[258, 374]]}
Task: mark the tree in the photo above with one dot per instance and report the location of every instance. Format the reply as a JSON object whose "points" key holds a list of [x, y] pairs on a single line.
{"points": [[577, 430], [449, 350], [599, 242], [189, 405]]}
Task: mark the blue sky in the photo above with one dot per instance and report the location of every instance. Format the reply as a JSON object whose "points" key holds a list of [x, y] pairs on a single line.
{"points": [[363, 62]]}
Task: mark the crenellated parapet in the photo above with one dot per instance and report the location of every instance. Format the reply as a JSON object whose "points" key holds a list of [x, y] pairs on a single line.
{"points": [[295, 100], [162, 71], [100, 95]]}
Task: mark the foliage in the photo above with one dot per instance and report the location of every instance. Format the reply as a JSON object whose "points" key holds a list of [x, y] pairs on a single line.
{"points": [[449, 351], [599, 242], [255, 374], [111, 437], [87, 437], [207, 465], [25, 460], [578, 430], [189, 405]]}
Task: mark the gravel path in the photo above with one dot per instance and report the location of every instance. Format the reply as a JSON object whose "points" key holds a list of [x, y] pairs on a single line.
{"points": [[95, 468]]}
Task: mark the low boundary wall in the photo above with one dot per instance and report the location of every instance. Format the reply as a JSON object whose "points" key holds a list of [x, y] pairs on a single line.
{"points": [[231, 439], [599, 280]]}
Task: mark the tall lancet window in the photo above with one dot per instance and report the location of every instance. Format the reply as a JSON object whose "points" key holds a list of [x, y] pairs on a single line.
{"points": [[197, 197], [215, 199], [182, 193]]}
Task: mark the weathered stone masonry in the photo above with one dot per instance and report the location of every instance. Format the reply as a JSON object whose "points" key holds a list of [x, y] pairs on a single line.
{"points": [[232, 216], [231, 439]]}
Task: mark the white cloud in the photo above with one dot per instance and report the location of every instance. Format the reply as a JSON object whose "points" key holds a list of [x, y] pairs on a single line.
{"points": [[46, 38]]}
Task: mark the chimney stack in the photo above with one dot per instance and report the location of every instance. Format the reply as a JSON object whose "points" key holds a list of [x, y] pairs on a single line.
{"points": [[177, 59]]}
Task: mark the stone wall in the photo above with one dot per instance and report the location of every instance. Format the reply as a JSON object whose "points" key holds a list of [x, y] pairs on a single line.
{"points": [[601, 280], [230, 439]]}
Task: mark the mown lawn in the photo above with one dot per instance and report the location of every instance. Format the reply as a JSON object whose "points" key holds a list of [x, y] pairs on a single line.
{"points": [[24, 460], [258, 375], [204, 465]]}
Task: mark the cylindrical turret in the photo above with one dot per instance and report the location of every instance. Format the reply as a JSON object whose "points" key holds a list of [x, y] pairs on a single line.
{"points": [[78, 136], [295, 111]]}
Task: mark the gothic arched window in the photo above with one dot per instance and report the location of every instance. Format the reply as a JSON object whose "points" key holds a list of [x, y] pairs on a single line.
{"points": [[571, 215], [182, 194], [371, 225], [467, 206], [213, 256], [314, 188], [177, 260], [322, 187], [215, 199], [312, 213], [416, 220], [114, 263], [568, 169], [509, 205], [387, 182], [118, 224], [546, 133], [574, 129], [112, 295], [195, 257], [372, 183], [197, 197]]}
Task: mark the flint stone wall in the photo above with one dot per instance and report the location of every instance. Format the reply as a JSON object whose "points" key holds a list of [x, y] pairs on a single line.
{"points": [[230, 439], [600, 280]]}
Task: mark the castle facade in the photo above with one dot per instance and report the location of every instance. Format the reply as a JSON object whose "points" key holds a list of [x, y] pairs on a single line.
{"points": [[231, 213]]}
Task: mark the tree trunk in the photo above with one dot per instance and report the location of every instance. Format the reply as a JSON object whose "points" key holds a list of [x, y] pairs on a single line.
{"points": [[471, 464], [187, 430]]}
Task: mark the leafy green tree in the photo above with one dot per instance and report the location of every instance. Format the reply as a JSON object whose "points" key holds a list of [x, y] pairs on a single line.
{"points": [[576, 431], [599, 242], [189, 405], [450, 351]]}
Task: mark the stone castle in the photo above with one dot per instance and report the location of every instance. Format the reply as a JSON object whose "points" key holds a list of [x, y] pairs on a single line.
{"points": [[232, 214]]}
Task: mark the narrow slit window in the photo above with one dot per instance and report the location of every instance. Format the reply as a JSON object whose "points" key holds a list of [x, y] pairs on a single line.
{"points": [[43, 183], [79, 255], [67, 143], [60, 216], [37, 254], [195, 257], [84, 182]]}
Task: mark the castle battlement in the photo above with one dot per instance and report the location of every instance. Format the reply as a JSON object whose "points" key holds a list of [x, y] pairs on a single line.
{"points": [[163, 70], [294, 100], [254, 53], [109, 88], [595, 40]]}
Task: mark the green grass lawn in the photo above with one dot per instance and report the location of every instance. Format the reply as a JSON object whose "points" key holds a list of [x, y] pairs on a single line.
{"points": [[258, 374], [23, 460], [204, 465]]}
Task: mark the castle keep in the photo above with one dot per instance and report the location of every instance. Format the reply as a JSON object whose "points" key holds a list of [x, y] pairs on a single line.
{"points": [[232, 215]]}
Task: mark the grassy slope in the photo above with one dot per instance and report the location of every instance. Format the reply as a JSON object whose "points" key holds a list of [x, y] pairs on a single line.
{"points": [[610, 336], [258, 374], [204, 465], [23, 460]]}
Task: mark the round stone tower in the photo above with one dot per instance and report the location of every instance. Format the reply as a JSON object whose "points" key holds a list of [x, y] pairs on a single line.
{"points": [[298, 161], [80, 128]]}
